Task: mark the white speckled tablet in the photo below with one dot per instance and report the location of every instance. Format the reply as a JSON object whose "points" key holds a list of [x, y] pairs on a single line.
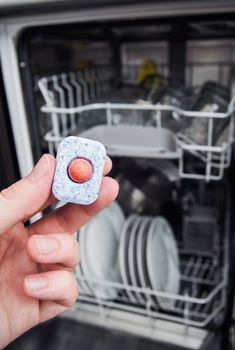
{"points": [[83, 190]]}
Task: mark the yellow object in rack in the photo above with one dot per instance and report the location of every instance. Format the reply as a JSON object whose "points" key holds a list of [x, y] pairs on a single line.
{"points": [[148, 74]]}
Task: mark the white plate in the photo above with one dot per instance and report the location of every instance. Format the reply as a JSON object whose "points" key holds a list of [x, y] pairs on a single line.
{"points": [[99, 240], [130, 258], [133, 259], [173, 285], [173, 282], [83, 285], [142, 263], [156, 256], [141, 255], [123, 249], [162, 261], [156, 259]]}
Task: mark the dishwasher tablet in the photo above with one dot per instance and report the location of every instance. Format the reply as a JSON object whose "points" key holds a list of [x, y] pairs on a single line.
{"points": [[79, 170]]}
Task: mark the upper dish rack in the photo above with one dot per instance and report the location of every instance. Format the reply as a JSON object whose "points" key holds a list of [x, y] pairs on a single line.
{"points": [[76, 104]]}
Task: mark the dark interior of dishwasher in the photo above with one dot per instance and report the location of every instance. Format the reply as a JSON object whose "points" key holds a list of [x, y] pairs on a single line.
{"points": [[45, 51]]}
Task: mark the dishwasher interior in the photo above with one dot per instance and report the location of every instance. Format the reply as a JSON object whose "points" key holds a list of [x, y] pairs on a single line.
{"points": [[159, 95]]}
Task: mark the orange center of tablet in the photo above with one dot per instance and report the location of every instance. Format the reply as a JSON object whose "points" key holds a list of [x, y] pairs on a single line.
{"points": [[80, 170]]}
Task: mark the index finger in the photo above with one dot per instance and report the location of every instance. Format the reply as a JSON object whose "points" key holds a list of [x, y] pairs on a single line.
{"points": [[70, 217], [24, 198], [51, 199]]}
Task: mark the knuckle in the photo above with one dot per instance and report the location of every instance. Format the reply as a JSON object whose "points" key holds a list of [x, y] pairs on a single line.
{"points": [[68, 279], [70, 250], [75, 294], [71, 288], [11, 195], [30, 245], [76, 251]]}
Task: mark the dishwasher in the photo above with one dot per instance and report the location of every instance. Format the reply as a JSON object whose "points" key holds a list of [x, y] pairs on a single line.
{"points": [[155, 83]]}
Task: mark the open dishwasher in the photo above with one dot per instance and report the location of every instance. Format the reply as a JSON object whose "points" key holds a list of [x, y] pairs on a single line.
{"points": [[159, 94]]}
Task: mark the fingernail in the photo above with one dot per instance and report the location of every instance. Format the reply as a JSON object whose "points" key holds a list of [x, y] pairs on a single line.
{"points": [[36, 283], [41, 168], [46, 245]]}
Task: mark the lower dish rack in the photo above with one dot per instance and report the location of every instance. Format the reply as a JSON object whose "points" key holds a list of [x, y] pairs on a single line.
{"points": [[199, 303], [201, 300]]}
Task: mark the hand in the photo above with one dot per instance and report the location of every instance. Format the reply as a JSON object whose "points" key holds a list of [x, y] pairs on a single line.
{"points": [[36, 283]]}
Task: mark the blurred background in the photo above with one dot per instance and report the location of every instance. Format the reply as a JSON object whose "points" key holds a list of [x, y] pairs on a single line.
{"points": [[154, 82]]}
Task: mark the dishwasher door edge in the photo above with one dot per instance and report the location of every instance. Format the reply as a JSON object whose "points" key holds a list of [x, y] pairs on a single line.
{"points": [[180, 335]]}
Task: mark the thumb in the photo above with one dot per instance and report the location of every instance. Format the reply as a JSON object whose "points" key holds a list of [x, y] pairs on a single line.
{"points": [[25, 197]]}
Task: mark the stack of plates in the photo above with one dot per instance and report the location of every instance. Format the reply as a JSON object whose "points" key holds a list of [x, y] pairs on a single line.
{"points": [[148, 258], [140, 251]]}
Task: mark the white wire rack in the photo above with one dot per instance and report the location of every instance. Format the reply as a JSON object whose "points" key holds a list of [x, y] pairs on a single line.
{"points": [[74, 97], [201, 300]]}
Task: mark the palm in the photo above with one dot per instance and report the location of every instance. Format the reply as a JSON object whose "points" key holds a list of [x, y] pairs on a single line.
{"points": [[35, 262]]}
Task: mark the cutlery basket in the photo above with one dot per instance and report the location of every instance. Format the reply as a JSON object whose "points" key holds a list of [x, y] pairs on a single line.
{"points": [[200, 230]]}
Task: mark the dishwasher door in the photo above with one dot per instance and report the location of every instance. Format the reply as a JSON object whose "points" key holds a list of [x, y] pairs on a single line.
{"points": [[63, 334]]}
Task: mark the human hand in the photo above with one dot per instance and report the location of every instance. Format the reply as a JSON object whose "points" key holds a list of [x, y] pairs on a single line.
{"points": [[36, 283]]}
